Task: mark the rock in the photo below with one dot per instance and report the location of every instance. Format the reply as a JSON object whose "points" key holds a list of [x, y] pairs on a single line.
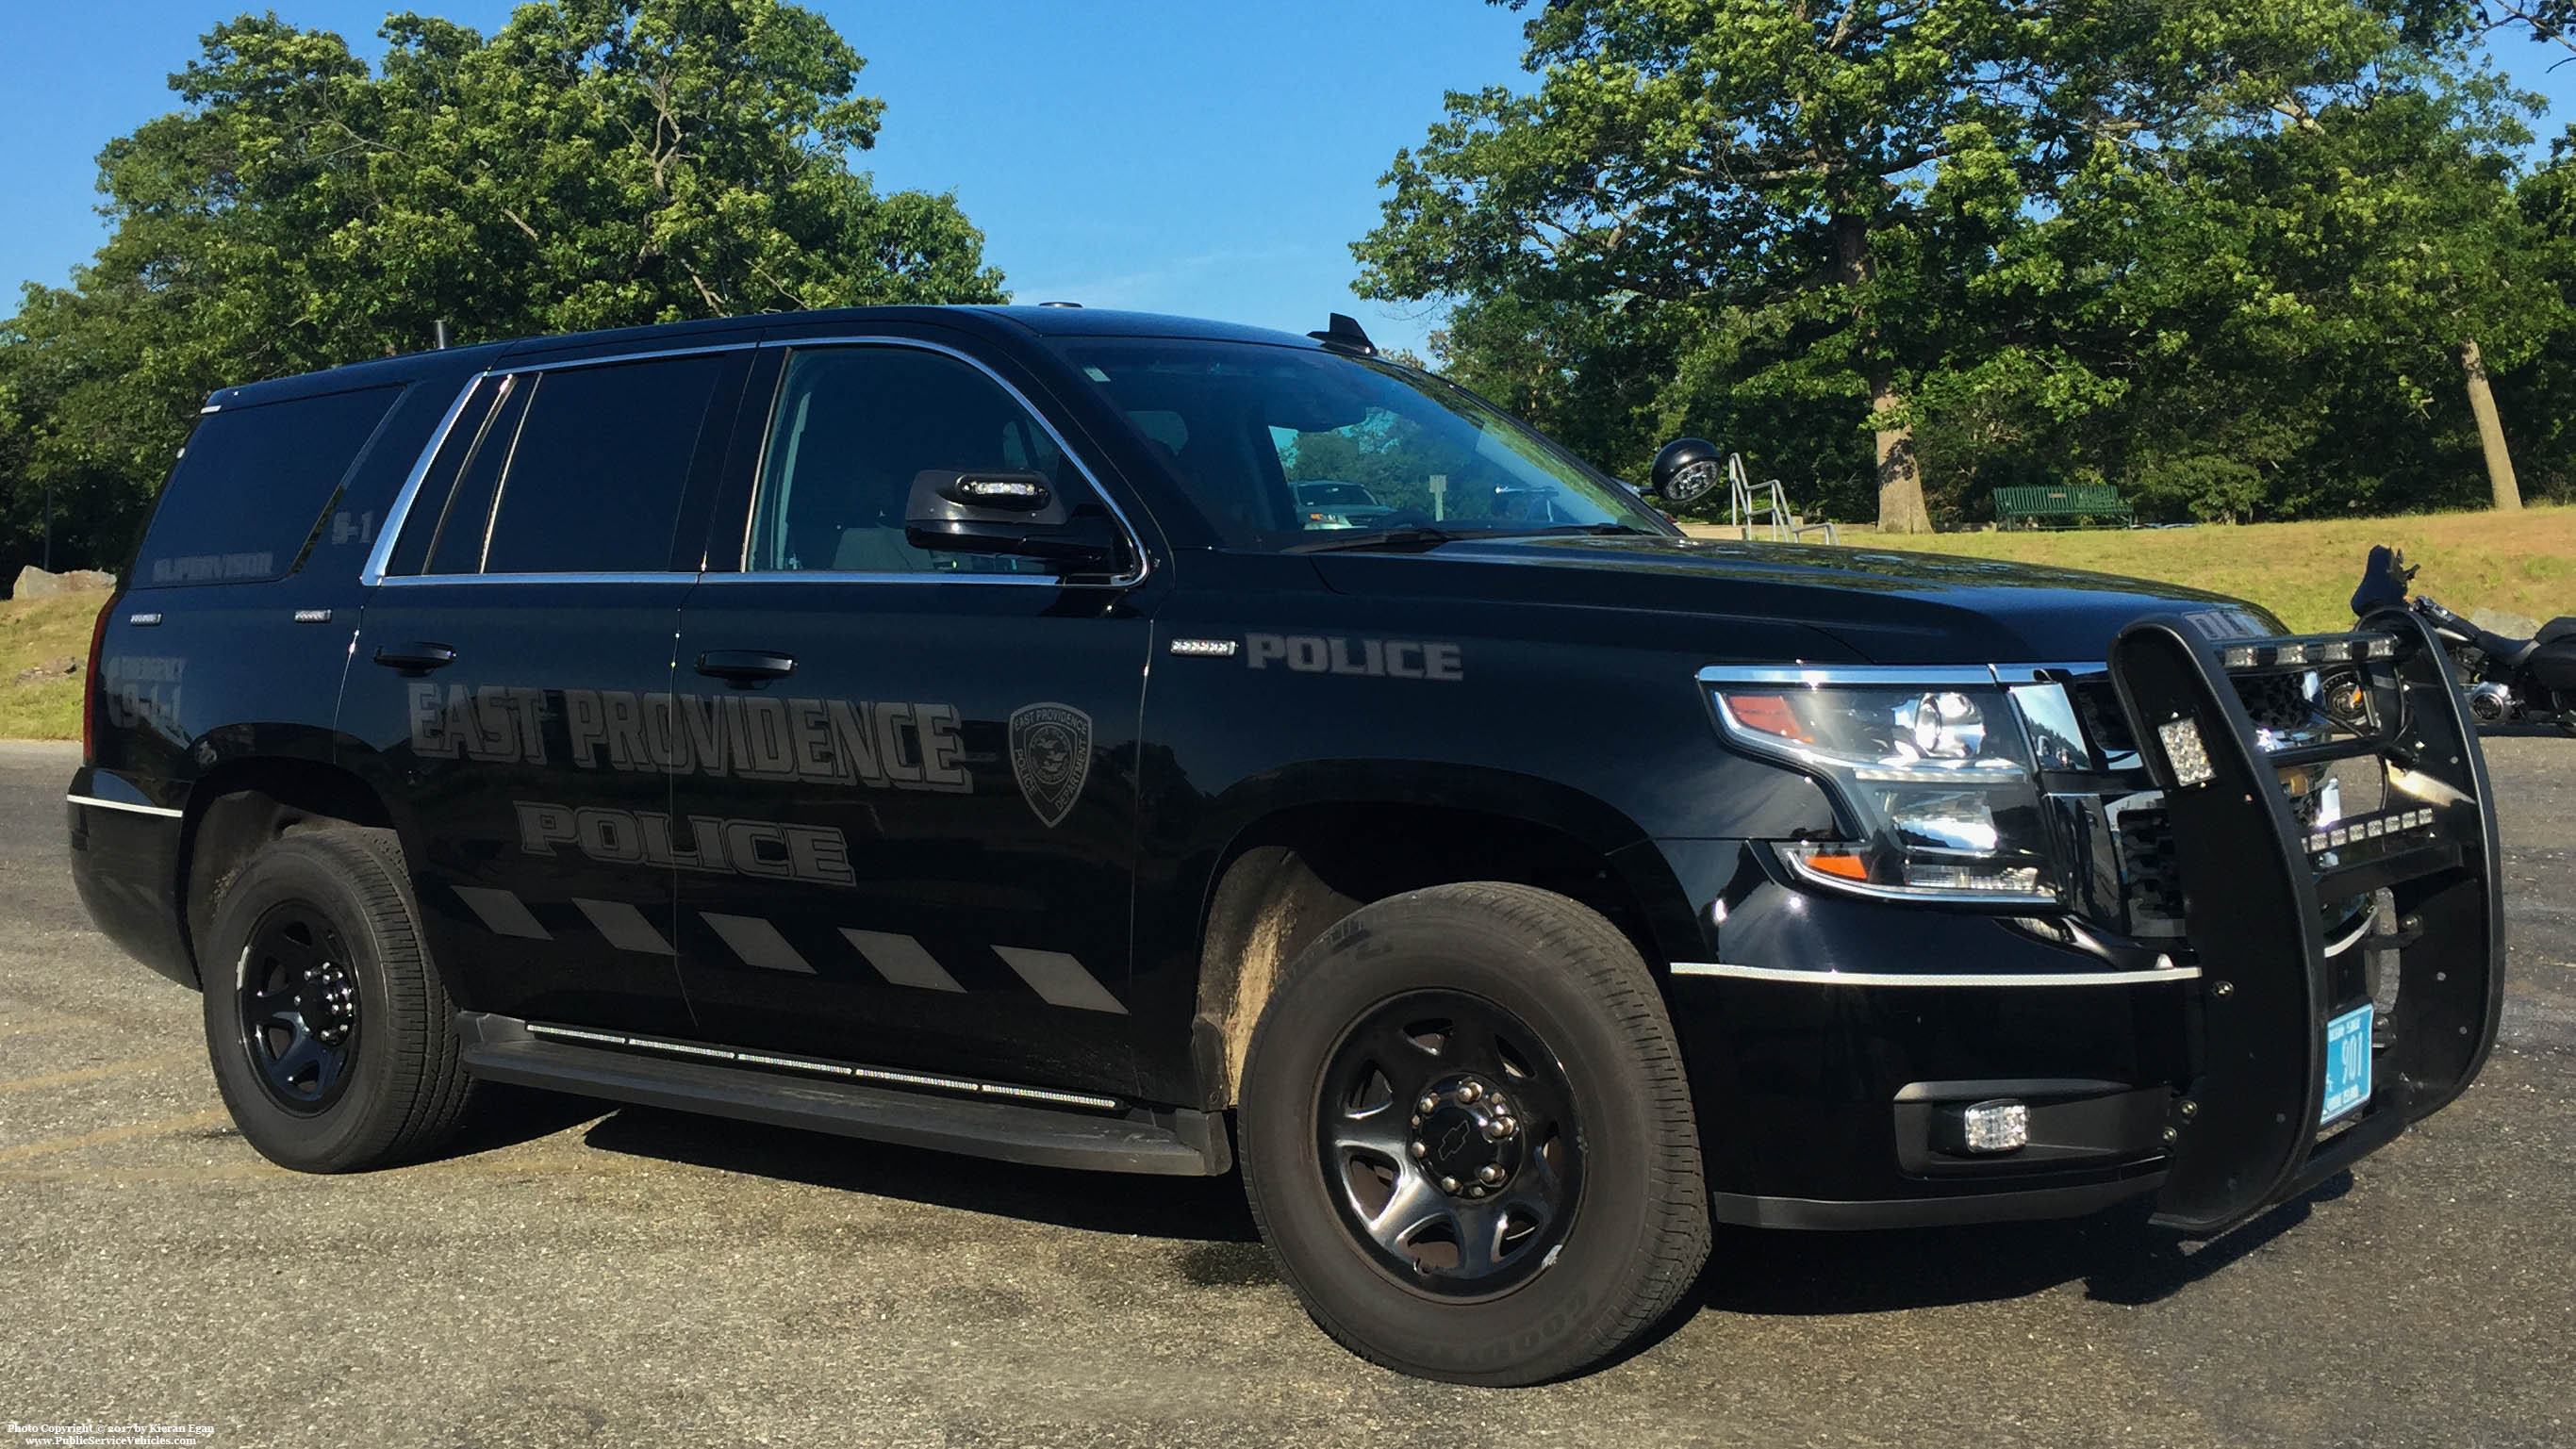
{"points": [[2511, 626], [63, 668], [35, 583]]}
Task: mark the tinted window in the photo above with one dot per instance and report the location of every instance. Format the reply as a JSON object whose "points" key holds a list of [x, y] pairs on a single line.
{"points": [[457, 531], [1287, 447], [251, 485], [852, 428], [589, 479]]}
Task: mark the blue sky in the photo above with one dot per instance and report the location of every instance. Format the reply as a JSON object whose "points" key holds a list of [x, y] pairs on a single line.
{"points": [[1214, 159]]}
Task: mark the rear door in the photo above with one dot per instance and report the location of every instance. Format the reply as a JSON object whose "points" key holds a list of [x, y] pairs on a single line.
{"points": [[512, 680], [913, 803]]}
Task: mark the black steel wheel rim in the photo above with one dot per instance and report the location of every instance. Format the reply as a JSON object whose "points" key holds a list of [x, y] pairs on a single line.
{"points": [[1449, 1143], [297, 993]]}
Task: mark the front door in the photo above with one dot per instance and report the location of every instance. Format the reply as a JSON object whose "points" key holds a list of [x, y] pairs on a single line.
{"points": [[913, 803], [506, 666]]}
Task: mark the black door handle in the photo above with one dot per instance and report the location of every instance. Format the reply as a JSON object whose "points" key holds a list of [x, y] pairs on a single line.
{"points": [[415, 658], [746, 668]]}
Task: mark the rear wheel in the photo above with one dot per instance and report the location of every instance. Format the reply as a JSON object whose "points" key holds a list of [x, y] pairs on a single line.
{"points": [[333, 1043], [1467, 1136]]}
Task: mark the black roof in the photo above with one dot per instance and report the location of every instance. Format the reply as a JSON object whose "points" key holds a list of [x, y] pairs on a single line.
{"points": [[1104, 322], [1041, 321]]}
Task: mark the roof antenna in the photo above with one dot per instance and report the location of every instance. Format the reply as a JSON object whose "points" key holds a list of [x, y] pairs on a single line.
{"points": [[1343, 334], [438, 334]]}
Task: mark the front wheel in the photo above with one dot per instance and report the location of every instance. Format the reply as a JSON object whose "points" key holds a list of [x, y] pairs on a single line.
{"points": [[1468, 1139]]}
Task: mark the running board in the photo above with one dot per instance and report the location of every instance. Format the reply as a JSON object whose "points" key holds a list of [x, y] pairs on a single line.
{"points": [[1108, 1137]]}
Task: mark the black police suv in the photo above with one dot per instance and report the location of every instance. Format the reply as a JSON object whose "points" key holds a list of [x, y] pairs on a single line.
{"points": [[961, 727]]}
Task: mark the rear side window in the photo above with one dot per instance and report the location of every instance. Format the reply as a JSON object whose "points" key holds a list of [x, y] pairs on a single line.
{"points": [[251, 486], [571, 470]]}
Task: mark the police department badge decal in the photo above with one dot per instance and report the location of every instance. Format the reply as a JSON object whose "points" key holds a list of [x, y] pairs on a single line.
{"points": [[1051, 755]]}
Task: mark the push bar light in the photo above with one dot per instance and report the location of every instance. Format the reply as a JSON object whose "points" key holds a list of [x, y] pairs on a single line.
{"points": [[2185, 752], [2325, 649]]}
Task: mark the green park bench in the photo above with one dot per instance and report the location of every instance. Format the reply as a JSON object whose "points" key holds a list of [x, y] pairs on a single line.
{"points": [[2062, 507]]}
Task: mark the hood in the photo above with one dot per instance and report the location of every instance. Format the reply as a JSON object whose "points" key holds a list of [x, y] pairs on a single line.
{"points": [[1891, 607]]}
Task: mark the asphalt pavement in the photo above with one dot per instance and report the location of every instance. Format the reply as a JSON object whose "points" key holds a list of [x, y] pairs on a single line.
{"points": [[581, 1275]]}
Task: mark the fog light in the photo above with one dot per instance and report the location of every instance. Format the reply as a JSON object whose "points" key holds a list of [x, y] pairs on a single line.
{"points": [[2002, 1125]]}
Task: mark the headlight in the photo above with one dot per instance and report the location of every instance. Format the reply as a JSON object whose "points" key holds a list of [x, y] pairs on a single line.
{"points": [[1931, 766]]}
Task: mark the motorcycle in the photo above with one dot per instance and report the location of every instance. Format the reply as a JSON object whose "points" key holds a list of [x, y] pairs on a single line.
{"points": [[2507, 680]]}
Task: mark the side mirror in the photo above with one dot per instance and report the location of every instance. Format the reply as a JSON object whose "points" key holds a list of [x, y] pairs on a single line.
{"points": [[1006, 511], [1686, 469]]}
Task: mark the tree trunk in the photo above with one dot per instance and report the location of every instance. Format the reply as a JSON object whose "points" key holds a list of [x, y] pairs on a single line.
{"points": [[2508, 493], [1900, 481]]}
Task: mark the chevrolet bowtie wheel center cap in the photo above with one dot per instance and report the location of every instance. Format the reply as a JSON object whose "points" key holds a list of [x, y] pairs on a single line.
{"points": [[1464, 1135]]}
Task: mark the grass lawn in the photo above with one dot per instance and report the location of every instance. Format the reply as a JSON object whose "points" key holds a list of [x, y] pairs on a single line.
{"points": [[2524, 563], [40, 631]]}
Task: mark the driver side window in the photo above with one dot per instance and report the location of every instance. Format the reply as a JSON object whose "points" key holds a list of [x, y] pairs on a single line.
{"points": [[852, 428]]}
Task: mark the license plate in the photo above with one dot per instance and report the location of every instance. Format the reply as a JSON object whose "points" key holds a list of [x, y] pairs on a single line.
{"points": [[2347, 1063]]}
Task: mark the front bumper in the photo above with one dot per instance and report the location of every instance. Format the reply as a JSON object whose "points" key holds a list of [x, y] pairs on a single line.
{"points": [[1818, 1081], [1823, 1032]]}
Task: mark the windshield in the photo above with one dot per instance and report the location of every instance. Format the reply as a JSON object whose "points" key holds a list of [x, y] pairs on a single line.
{"points": [[1282, 447]]}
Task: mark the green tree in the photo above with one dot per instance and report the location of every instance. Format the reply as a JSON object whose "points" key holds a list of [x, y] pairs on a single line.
{"points": [[595, 163], [1955, 226], [2285, 311]]}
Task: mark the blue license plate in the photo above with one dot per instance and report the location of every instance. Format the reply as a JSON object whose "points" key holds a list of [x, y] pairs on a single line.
{"points": [[2347, 1063]]}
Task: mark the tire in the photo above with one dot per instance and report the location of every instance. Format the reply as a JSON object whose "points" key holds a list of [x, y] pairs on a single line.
{"points": [[1449, 998], [355, 1065]]}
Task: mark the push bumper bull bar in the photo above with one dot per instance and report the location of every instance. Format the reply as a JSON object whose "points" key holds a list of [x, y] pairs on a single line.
{"points": [[2246, 1131]]}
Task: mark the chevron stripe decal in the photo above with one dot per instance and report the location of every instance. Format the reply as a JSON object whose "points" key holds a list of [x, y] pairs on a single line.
{"points": [[757, 942], [901, 961], [503, 913], [1058, 978], [624, 926]]}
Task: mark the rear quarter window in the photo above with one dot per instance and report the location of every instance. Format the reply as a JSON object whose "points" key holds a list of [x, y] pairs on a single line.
{"points": [[581, 468], [252, 485]]}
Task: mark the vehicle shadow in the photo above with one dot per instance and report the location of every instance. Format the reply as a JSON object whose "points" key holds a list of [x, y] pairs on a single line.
{"points": [[1204, 1210], [2117, 1254], [504, 1115]]}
